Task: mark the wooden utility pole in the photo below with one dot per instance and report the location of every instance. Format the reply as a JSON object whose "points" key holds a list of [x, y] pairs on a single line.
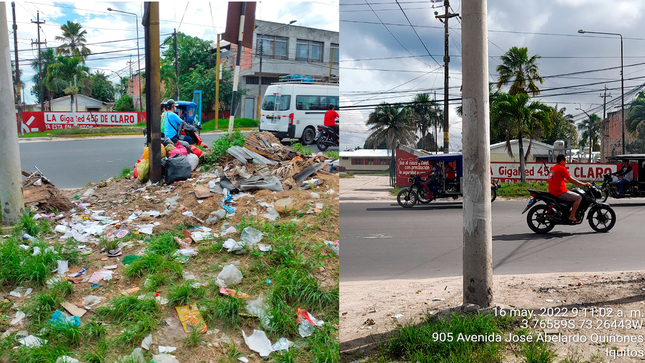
{"points": [[153, 94], [477, 229], [604, 128], [40, 62], [130, 81], [446, 79], [11, 199], [15, 48]]}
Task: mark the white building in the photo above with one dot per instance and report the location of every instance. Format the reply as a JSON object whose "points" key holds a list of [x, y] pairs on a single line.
{"points": [[539, 151], [83, 103], [365, 160]]}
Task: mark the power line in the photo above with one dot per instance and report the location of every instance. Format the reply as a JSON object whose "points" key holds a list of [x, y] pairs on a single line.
{"points": [[392, 34], [415, 32]]}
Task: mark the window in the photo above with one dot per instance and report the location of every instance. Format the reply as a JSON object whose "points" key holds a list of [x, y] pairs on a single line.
{"points": [[265, 80], [358, 161], [272, 46], [335, 52], [320, 103], [283, 102], [309, 50]]}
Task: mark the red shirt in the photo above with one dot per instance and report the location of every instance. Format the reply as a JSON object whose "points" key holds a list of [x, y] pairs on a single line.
{"points": [[330, 117], [556, 179]]}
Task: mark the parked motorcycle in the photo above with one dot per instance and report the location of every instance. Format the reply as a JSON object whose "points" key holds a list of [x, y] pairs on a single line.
{"points": [[610, 188], [327, 137], [547, 211]]}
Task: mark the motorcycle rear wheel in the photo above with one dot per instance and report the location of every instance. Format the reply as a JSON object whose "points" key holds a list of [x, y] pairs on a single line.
{"points": [[602, 219], [538, 221], [407, 197], [321, 144]]}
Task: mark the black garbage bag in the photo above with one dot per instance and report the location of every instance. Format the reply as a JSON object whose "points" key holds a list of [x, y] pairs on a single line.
{"points": [[175, 168]]}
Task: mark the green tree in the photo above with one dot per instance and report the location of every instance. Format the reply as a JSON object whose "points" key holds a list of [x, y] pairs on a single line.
{"points": [[425, 114], [636, 113], [73, 41], [590, 128], [63, 75], [390, 123], [562, 127], [22, 84], [101, 88], [125, 103], [516, 117], [191, 52], [521, 69], [48, 58]]}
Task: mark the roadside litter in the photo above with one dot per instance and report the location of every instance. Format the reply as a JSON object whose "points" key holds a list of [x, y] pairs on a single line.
{"points": [[191, 318], [230, 275], [60, 320], [307, 323]]}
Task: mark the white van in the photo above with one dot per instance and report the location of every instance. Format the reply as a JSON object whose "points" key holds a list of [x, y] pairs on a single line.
{"points": [[294, 109]]}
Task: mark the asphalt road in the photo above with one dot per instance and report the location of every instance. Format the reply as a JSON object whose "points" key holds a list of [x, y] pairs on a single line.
{"points": [[74, 163], [383, 241]]}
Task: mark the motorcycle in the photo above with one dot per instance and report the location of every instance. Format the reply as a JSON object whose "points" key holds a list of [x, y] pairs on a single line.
{"points": [[547, 211], [326, 137], [416, 192], [610, 188]]}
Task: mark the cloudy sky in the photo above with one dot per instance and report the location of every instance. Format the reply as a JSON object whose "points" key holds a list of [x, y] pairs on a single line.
{"points": [[388, 62], [112, 36]]}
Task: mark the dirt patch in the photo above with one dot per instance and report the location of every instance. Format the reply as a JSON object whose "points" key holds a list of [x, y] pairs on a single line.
{"points": [[596, 307]]}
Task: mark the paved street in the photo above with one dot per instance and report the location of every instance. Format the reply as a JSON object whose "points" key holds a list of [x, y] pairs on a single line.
{"points": [[74, 163], [381, 240]]}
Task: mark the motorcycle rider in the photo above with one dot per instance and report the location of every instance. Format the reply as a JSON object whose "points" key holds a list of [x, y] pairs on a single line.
{"points": [[626, 175], [433, 180], [330, 118], [557, 178]]}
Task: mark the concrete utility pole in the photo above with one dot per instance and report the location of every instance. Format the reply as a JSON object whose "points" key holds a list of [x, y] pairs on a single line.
{"points": [[236, 76], [11, 199], [446, 79], [40, 62], [130, 81], [15, 47], [153, 94], [174, 41], [477, 230], [217, 85]]}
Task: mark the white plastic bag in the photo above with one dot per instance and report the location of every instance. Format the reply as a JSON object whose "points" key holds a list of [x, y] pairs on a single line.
{"points": [[229, 276]]}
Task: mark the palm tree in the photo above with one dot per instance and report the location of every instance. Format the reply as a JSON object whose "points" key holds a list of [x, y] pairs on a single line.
{"points": [[521, 69], [563, 127], [590, 128], [515, 117], [63, 74], [425, 114], [73, 41], [636, 114], [390, 123]]}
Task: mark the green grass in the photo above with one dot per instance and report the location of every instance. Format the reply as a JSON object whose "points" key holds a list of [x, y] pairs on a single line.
{"points": [[300, 148], [184, 294], [126, 172], [222, 144], [538, 352], [347, 175], [194, 339], [129, 308], [223, 124], [92, 131], [332, 154], [222, 309]]}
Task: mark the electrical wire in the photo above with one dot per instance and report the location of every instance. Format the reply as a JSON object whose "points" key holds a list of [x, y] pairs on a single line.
{"points": [[417, 34]]}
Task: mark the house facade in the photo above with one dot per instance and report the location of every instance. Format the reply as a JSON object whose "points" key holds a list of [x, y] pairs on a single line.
{"points": [[365, 160], [283, 50]]}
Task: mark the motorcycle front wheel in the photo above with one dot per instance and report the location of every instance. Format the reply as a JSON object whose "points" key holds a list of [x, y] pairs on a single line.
{"points": [[407, 197], [538, 221], [493, 194], [602, 219]]}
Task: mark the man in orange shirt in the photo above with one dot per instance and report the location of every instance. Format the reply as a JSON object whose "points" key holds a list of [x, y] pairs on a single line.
{"points": [[558, 176], [330, 118]]}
